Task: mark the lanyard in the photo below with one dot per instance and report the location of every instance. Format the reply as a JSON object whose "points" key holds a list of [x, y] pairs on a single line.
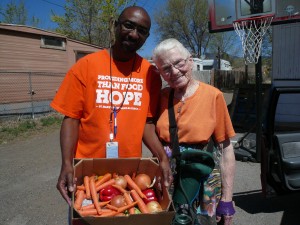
{"points": [[113, 124], [114, 109]]}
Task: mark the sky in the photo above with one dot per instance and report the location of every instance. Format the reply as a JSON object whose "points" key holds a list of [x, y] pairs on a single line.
{"points": [[42, 10]]}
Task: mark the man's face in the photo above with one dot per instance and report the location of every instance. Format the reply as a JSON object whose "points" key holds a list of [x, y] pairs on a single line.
{"points": [[132, 30]]}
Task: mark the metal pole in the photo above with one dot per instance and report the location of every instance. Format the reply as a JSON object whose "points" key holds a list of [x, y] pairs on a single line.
{"points": [[219, 58], [258, 82], [31, 92], [258, 8]]}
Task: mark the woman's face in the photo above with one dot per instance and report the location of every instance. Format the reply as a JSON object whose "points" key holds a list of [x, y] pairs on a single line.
{"points": [[175, 69]]}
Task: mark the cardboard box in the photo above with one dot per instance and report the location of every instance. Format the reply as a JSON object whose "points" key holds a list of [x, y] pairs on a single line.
{"points": [[149, 166]]}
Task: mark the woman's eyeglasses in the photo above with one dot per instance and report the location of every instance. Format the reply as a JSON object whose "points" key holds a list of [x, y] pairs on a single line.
{"points": [[179, 65]]}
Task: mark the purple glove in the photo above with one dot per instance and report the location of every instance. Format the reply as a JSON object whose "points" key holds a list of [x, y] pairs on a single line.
{"points": [[225, 208]]}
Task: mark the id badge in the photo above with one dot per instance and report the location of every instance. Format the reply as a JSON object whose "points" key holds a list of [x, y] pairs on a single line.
{"points": [[112, 149]]}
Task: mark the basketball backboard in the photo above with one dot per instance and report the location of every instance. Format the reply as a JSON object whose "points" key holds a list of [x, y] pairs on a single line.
{"points": [[222, 13]]}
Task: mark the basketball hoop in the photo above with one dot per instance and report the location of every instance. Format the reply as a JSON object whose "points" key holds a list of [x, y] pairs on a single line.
{"points": [[251, 31]]}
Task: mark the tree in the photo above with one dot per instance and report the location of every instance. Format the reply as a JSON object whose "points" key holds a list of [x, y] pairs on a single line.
{"points": [[187, 21], [90, 21], [17, 14], [227, 44], [266, 53]]}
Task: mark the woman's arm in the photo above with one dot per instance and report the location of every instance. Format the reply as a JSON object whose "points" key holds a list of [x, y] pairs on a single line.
{"points": [[227, 166]]}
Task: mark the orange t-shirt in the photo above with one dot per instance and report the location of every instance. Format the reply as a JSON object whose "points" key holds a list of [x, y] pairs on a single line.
{"points": [[85, 94], [203, 114]]}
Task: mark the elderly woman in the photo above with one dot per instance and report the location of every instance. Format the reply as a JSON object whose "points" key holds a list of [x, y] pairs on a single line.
{"points": [[201, 115]]}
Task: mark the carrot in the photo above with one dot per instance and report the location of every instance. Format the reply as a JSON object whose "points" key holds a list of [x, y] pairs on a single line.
{"points": [[101, 204], [141, 204], [86, 181], [132, 185], [88, 212], [105, 210], [94, 195], [79, 199], [105, 177], [77, 191], [94, 176], [80, 187], [107, 183], [128, 201], [87, 207], [106, 214], [109, 206], [123, 208], [121, 189], [92, 206]]}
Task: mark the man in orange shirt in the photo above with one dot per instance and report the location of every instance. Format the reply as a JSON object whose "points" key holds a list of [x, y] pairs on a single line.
{"points": [[109, 99]]}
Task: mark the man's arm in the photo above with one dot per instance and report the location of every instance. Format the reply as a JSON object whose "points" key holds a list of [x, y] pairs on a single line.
{"points": [[151, 140], [68, 140]]}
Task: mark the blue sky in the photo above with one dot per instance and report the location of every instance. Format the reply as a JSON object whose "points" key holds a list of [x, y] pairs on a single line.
{"points": [[42, 10]]}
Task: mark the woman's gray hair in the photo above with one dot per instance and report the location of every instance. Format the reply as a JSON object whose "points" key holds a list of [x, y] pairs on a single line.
{"points": [[167, 45]]}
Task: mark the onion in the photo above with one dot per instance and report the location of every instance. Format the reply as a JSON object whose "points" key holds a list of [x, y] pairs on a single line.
{"points": [[118, 201], [154, 207], [143, 181], [121, 181]]}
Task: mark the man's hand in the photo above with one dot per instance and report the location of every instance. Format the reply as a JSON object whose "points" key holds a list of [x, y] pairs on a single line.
{"points": [[167, 173], [151, 140], [68, 140], [66, 183]]}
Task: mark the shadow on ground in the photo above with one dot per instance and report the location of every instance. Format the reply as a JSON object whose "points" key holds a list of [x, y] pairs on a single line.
{"points": [[253, 202]]}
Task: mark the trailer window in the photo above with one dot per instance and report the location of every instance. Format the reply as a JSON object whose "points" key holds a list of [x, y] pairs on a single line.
{"points": [[53, 42]]}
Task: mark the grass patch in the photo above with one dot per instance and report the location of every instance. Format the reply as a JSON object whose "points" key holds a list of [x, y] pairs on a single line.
{"points": [[51, 120], [11, 130]]}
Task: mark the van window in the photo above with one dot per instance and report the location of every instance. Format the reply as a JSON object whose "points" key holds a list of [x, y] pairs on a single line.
{"points": [[207, 67], [287, 117]]}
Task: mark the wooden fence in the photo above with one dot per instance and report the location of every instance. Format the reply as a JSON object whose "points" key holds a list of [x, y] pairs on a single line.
{"points": [[229, 80]]}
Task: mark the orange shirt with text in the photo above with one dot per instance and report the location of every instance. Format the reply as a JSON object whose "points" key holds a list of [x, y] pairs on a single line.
{"points": [[86, 94]]}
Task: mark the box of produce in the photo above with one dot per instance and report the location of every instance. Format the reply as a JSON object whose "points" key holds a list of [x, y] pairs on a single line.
{"points": [[120, 191]]}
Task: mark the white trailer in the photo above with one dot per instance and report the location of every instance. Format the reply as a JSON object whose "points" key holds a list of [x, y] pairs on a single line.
{"points": [[209, 64]]}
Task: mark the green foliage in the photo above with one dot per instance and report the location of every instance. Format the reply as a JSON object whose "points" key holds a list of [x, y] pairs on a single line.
{"points": [[14, 131], [16, 13], [48, 121], [185, 20], [11, 130], [89, 21], [225, 44]]}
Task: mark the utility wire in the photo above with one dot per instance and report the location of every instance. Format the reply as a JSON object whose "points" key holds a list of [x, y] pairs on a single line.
{"points": [[52, 3]]}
